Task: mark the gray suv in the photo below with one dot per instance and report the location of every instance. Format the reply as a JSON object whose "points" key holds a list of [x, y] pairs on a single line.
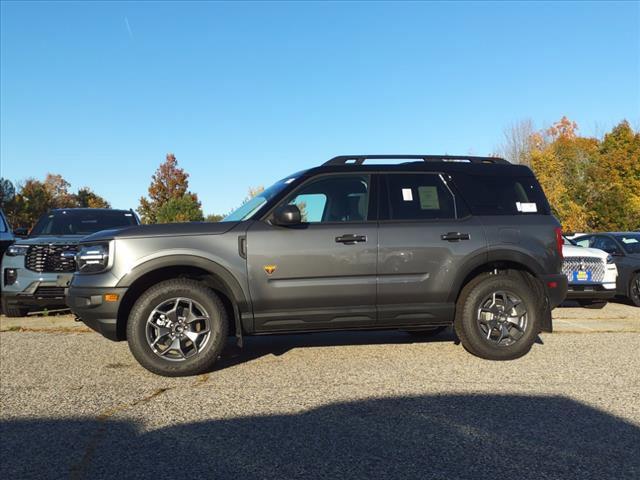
{"points": [[38, 267], [350, 245]]}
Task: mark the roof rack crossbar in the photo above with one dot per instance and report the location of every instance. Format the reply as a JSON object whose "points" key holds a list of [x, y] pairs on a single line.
{"points": [[360, 159]]}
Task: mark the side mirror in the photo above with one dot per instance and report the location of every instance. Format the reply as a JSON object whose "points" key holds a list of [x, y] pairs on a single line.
{"points": [[287, 215], [21, 232]]}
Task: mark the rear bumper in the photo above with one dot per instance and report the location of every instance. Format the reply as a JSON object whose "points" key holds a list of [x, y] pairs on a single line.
{"points": [[90, 306], [556, 287]]}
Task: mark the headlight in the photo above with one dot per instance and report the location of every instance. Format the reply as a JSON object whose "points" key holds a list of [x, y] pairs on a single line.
{"points": [[93, 258], [15, 250], [609, 258]]}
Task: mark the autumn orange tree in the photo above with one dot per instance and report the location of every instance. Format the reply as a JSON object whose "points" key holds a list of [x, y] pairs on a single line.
{"points": [[591, 184], [32, 198], [169, 197]]}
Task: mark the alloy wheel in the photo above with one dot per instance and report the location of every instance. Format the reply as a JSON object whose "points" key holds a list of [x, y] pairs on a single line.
{"points": [[502, 318], [178, 329]]}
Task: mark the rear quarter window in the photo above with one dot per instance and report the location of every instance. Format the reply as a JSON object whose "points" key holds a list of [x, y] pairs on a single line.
{"points": [[502, 194]]}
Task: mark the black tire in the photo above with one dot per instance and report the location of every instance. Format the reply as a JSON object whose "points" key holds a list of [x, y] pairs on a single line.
{"points": [[469, 329], [427, 333], [202, 361], [593, 305], [14, 310], [634, 289]]}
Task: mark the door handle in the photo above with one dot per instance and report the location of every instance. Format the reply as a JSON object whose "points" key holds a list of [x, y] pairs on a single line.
{"points": [[454, 236], [351, 239]]}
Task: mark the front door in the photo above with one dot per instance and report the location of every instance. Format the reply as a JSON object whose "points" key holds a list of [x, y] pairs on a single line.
{"points": [[423, 242], [321, 274]]}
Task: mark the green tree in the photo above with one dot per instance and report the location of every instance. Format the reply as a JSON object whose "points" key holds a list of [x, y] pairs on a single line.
{"points": [[167, 183], [214, 217], [86, 198], [32, 200], [616, 178], [7, 192], [181, 209]]}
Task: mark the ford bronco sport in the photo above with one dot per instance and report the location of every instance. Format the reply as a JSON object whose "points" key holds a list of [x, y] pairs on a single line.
{"points": [[349, 245]]}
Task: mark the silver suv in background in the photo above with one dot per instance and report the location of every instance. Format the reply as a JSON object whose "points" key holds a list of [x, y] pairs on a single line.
{"points": [[36, 269], [419, 246], [6, 236]]}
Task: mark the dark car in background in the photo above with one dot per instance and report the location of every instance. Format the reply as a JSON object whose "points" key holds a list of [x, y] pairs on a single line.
{"points": [[36, 269], [624, 247]]}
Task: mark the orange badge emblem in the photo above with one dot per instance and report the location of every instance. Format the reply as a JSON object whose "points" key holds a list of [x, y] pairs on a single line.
{"points": [[270, 269]]}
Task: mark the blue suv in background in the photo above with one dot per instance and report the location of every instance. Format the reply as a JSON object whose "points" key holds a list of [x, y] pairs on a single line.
{"points": [[36, 269]]}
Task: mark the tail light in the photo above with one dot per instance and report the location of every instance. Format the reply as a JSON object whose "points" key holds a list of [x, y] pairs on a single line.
{"points": [[559, 240]]}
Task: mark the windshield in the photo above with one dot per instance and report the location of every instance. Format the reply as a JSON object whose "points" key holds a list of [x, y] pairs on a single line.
{"points": [[251, 206], [69, 222], [630, 242], [568, 241]]}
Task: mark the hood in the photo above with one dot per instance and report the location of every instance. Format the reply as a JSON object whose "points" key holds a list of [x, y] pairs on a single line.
{"points": [[50, 239], [163, 230], [575, 251]]}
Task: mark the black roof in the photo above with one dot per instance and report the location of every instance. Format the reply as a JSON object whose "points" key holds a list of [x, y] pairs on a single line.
{"points": [[429, 163], [360, 159]]}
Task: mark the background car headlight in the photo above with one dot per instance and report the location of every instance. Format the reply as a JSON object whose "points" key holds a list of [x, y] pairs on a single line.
{"points": [[15, 250], [93, 258], [609, 258]]}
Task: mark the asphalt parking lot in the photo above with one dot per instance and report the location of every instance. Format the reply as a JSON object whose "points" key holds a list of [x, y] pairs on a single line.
{"points": [[339, 405]]}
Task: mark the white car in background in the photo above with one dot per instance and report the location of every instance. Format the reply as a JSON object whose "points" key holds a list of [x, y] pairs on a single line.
{"points": [[591, 273]]}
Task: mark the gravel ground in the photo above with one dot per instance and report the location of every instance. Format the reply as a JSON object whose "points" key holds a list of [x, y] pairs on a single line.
{"points": [[340, 405]]}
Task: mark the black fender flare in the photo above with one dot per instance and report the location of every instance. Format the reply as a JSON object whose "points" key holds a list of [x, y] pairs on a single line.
{"points": [[229, 284], [491, 257]]}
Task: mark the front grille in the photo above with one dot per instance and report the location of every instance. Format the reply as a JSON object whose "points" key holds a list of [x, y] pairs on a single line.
{"points": [[593, 264], [49, 292], [49, 258]]}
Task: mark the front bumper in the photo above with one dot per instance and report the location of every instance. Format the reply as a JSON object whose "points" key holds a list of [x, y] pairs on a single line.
{"points": [[89, 304], [595, 291], [36, 290], [556, 286]]}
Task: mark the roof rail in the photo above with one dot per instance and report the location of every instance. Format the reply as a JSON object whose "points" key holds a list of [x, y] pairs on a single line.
{"points": [[360, 159]]}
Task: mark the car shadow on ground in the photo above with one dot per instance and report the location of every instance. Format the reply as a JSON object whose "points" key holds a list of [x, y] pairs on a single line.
{"points": [[259, 346], [443, 436]]}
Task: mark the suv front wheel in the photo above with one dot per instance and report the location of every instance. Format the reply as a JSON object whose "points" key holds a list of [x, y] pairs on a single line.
{"points": [[497, 316], [177, 328]]}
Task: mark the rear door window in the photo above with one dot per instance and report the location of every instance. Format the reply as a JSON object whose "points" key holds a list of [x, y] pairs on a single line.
{"points": [[502, 194], [419, 196]]}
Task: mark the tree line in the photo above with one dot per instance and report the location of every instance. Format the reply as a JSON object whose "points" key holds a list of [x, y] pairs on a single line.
{"points": [[593, 184]]}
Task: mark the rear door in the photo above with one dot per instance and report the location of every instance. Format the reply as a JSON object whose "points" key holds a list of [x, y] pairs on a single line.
{"points": [[321, 274], [423, 241]]}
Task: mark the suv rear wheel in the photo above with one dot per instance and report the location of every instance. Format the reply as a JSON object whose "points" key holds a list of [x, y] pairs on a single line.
{"points": [[177, 328], [497, 316]]}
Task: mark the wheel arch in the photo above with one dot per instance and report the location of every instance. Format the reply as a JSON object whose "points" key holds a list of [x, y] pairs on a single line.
{"points": [[508, 263], [214, 275]]}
